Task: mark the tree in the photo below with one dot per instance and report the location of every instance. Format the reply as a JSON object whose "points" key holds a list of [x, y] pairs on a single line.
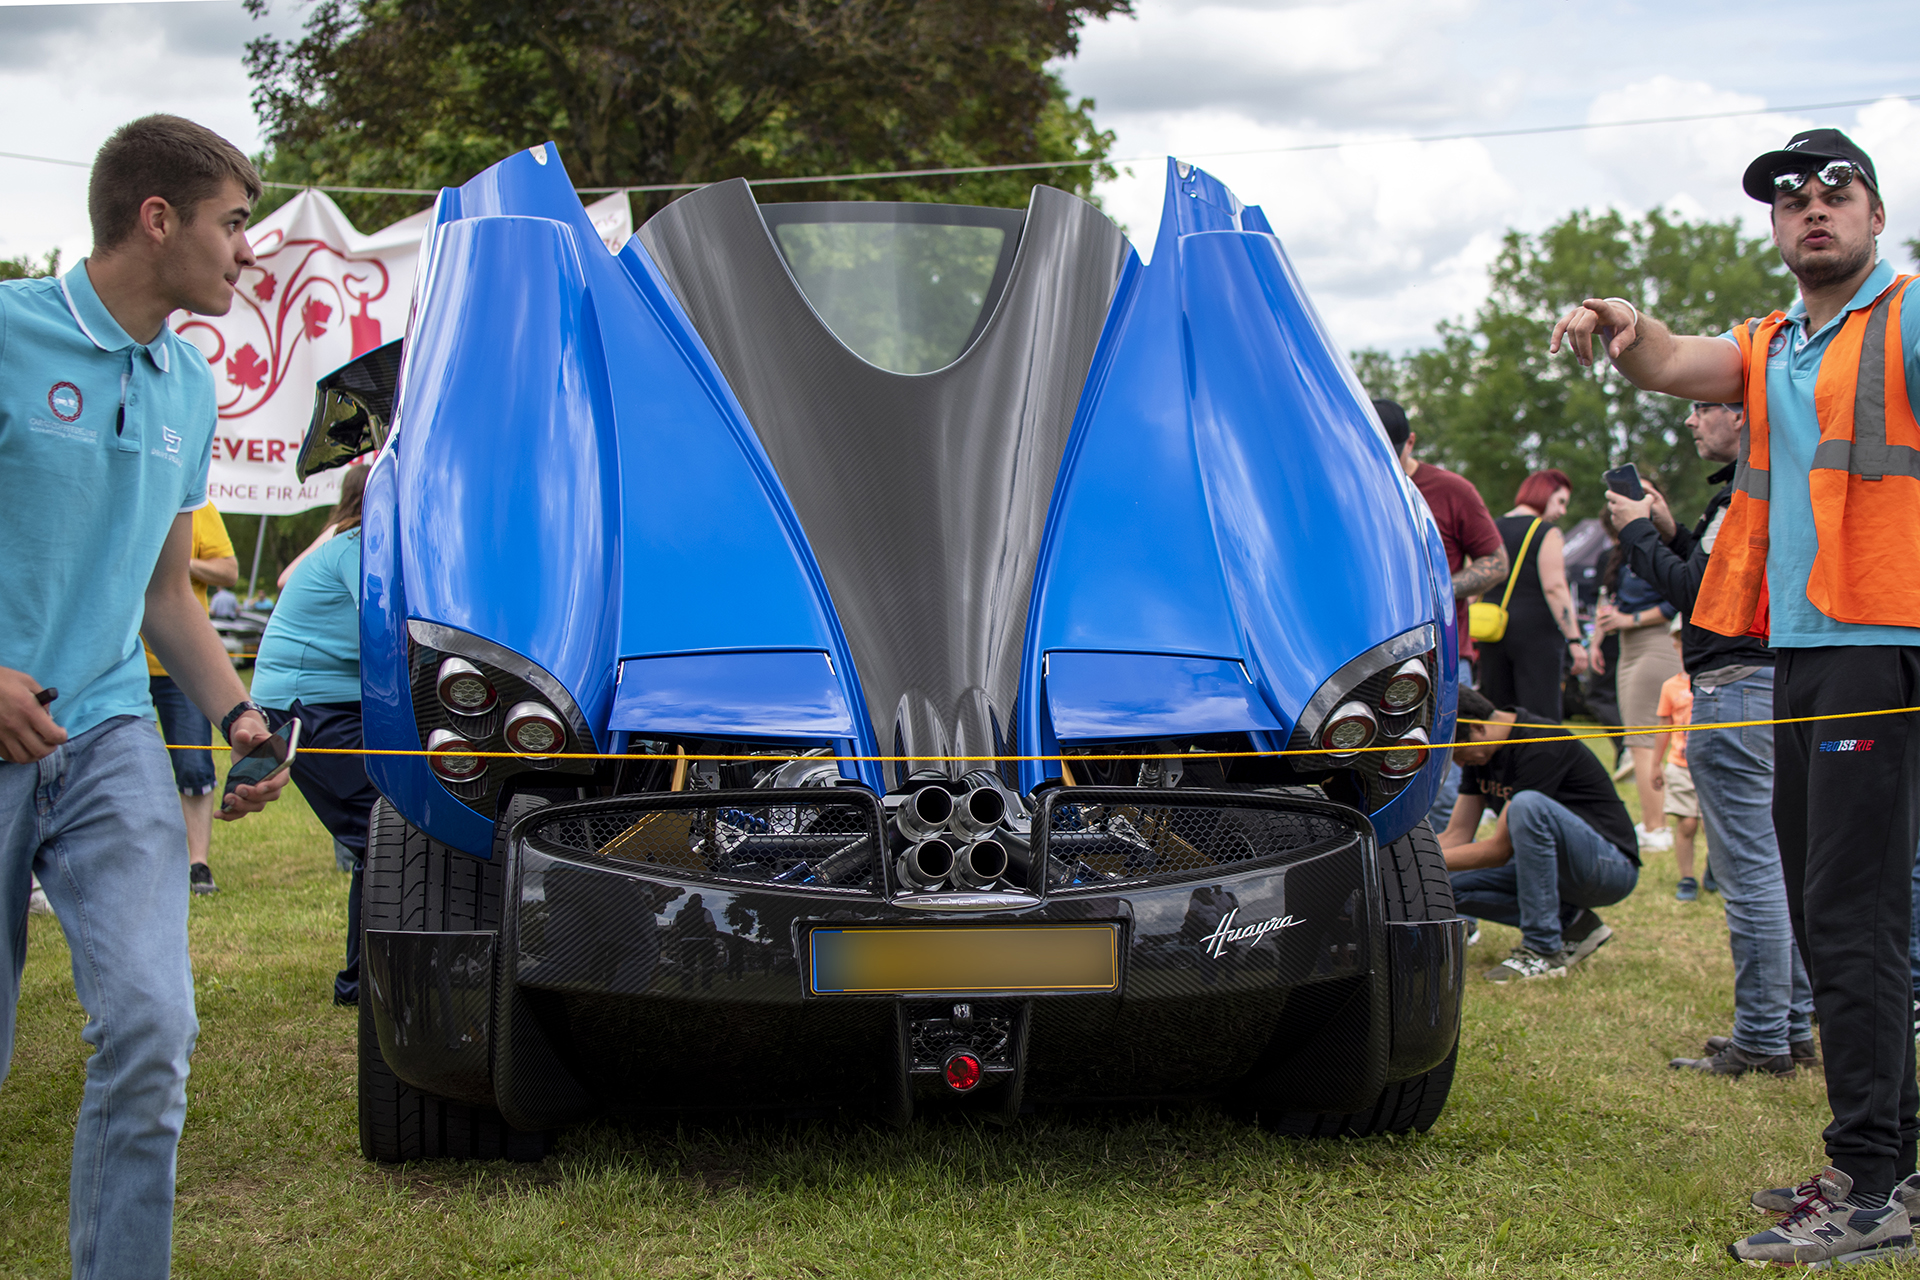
{"points": [[424, 93], [1489, 402], [25, 268]]}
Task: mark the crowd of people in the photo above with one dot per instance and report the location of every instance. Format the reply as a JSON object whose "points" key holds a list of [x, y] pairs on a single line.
{"points": [[1787, 608]]}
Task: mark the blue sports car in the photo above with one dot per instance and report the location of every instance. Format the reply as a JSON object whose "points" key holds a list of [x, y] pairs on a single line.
{"points": [[849, 651]]}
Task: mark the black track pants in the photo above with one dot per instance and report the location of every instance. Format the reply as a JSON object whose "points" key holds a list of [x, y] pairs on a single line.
{"points": [[1848, 818]]}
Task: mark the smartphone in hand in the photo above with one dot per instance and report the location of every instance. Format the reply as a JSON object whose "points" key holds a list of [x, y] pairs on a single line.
{"points": [[1625, 481], [265, 762]]}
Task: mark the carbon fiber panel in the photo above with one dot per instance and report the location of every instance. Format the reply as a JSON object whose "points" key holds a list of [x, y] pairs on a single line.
{"points": [[432, 998], [923, 497], [659, 985]]}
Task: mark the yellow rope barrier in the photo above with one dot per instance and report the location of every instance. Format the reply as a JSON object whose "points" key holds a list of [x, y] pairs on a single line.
{"points": [[1581, 736]]}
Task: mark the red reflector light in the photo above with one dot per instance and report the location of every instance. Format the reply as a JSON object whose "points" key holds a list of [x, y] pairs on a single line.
{"points": [[962, 1071]]}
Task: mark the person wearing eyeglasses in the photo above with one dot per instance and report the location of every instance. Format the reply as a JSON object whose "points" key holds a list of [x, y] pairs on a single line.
{"points": [[1818, 552], [1731, 682]]}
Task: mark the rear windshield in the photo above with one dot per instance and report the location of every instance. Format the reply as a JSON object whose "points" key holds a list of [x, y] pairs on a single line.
{"points": [[906, 287]]}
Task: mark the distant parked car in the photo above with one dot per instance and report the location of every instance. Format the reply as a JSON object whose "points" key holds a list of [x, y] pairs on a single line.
{"points": [[842, 524]]}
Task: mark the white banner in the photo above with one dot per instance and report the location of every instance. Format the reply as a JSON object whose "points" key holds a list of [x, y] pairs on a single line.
{"points": [[318, 295]]}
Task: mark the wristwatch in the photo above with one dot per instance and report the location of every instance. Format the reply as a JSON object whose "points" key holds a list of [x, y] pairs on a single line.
{"points": [[226, 721]]}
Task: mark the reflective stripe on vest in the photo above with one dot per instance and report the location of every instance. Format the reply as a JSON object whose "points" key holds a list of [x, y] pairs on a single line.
{"points": [[1864, 483]]}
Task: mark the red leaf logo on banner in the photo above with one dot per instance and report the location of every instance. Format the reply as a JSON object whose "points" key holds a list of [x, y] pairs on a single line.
{"points": [[313, 317], [247, 369], [263, 287]]}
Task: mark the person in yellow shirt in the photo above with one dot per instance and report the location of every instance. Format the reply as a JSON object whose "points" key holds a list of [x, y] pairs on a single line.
{"points": [[213, 565]]}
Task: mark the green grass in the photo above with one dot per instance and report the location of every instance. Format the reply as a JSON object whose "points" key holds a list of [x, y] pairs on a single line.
{"points": [[1568, 1149]]}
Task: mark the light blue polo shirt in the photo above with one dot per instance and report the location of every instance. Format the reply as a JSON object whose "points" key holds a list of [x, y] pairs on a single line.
{"points": [[87, 507], [1793, 432], [311, 650]]}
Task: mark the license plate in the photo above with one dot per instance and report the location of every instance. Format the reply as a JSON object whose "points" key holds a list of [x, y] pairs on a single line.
{"points": [[916, 960]]}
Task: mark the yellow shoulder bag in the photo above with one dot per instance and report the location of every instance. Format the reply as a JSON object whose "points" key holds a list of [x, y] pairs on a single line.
{"points": [[1488, 622]]}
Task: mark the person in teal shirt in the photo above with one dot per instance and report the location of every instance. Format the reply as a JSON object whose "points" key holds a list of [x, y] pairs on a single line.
{"points": [[308, 669], [1846, 796], [106, 429]]}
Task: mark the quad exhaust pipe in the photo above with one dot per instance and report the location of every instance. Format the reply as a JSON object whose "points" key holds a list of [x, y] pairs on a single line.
{"points": [[962, 839]]}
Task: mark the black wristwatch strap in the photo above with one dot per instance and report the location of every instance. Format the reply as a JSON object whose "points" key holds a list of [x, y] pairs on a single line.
{"points": [[226, 722]]}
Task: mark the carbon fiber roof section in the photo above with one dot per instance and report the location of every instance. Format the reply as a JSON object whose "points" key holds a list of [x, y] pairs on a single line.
{"points": [[924, 496]]}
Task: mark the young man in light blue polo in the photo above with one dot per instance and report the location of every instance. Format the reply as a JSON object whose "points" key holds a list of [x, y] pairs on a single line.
{"points": [[106, 428]]}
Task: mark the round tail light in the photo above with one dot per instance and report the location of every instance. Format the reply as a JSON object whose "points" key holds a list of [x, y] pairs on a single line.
{"points": [[534, 729], [1406, 688], [1350, 728], [1408, 755], [962, 1071], [452, 758], [464, 689]]}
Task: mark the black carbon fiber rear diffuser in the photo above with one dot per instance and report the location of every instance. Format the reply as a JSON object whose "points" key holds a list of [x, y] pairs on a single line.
{"points": [[669, 958]]}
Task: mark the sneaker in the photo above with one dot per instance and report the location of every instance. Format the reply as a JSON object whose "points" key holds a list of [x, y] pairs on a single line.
{"points": [[1735, 1061], [1786, 1199], [1825, 1229], [1473, 940], [1689, 890], [1805, 1054], [1654, 840], [1523, 965], [1583, 935], [1708, 884], [200, 878], [37, 903]]}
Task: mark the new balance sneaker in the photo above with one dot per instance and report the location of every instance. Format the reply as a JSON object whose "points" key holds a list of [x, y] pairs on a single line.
{"points": [[1523, 965], [1689, 890], [1825, 1229], [1583, 935], [200, 878], [1805, 1054], [1735, 1061], [1786, 1199]]}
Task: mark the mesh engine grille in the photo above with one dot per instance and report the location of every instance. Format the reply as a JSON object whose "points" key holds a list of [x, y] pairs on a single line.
{"points": [[817, 839], [1098, 838]]}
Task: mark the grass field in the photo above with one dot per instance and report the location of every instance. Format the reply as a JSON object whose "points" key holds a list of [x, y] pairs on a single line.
{"points": [[1568, 1149]]}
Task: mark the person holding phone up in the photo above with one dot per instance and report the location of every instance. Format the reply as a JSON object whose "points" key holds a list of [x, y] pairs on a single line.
{"points": [[106, 428], [1817, 552]]}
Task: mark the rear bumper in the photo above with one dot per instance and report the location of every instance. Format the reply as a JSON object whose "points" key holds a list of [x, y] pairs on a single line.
{"points": [[627, 983]]}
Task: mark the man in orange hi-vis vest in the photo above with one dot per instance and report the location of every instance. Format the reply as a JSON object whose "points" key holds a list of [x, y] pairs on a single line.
{"points": [[1820, 553]]}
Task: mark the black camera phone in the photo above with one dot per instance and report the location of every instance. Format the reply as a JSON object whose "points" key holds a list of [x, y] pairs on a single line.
{"points": [[1625, 481], [268, 760]]}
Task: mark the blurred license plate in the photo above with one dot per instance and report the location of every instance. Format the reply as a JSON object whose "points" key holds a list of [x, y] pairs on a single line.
{"points": [[917, 959]]}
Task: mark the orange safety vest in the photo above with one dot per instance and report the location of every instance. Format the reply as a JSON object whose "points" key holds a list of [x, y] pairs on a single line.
{"points": [[1865, 483]]}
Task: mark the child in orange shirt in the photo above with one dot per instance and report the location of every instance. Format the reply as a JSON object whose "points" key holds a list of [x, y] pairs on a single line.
{"points": [[1682, 804]]}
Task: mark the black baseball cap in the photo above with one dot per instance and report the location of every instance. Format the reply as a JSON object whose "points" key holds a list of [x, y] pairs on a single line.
{"points": [[1394, 419], [1805, 151]]}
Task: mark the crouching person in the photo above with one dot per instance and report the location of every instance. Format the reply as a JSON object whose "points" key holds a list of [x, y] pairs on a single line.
{"points": [[1564, 843]]}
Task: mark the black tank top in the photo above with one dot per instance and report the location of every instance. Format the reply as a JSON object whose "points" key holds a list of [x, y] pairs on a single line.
{"points": [[1528, 608]]}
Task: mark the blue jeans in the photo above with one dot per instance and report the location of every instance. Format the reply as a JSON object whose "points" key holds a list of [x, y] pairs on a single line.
{"points": [[181, 724], [1559, 865], [1733, 774], [99, 822], [1441, 813]]}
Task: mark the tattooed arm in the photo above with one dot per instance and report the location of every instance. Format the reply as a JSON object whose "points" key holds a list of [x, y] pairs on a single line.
{"points": [[1480, 574]]}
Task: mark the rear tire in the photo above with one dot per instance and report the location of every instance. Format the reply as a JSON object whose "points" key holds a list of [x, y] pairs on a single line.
{"points": [[1414, 881], [414, 882]]}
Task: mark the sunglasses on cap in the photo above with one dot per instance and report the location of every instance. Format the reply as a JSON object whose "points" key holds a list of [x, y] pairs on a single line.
{"points": [[1834, 173]]}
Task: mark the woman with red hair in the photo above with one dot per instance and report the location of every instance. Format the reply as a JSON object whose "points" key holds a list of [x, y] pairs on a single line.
{"points": [[1525, 667]]}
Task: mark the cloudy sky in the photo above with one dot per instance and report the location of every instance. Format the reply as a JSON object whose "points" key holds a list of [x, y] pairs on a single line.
{"points": [[1390, 236]]}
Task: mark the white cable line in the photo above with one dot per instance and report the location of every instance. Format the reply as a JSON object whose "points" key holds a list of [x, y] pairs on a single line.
{"points": [[1111, 160]]}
